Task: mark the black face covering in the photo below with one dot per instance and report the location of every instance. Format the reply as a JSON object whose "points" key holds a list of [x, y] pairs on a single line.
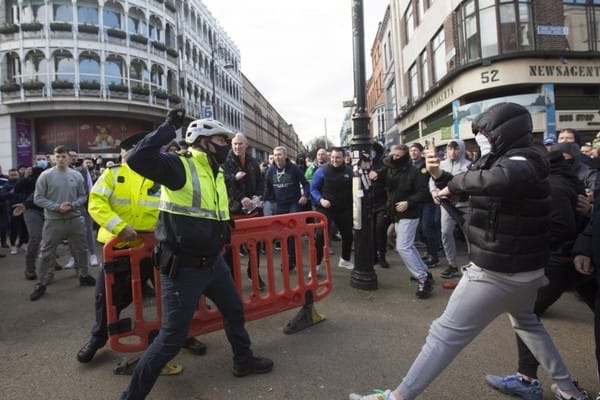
{"points": [[220, 152]]}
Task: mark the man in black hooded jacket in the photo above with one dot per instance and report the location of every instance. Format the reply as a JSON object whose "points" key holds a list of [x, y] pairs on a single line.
{"points": [[508, 231], [562, 276]]}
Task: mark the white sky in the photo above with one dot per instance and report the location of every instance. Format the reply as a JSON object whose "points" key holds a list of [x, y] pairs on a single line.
{"points": [[298, 54]]}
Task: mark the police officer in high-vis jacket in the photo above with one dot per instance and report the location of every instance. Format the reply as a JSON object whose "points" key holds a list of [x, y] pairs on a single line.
{"points": [[192, 229], [123, 203]]}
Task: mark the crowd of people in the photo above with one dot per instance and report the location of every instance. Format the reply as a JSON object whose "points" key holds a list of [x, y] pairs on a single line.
{"points": [[529, 216]]}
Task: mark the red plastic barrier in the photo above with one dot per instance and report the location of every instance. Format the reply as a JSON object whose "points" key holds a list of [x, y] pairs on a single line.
{"points": [[285, 290]]}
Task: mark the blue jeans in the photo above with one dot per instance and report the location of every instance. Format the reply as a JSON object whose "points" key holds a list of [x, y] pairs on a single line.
{"points": [[180, 297], [431, 225], [479, 298], [288, 208]]}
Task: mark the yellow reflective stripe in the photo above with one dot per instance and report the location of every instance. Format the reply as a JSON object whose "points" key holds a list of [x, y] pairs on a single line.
{"points": [[191, 211], [149, 203], [120, 202], [115, 173], [102, 190], [112, 223]]}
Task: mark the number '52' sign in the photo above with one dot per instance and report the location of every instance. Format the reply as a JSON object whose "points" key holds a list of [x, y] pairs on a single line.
{"points": [[490, 76]]}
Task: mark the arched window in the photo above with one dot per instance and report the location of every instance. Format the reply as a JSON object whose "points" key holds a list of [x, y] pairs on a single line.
{"points": [[113, 70], [13, 67], [89, 67], [34, 65], [138, 73], [64, 66], [63, 11], [87, 13], [136, 22], [112, 15], [156, 77], [155, 29], [33, 11]]}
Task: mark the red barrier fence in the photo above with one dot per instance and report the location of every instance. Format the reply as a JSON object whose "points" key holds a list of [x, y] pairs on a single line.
{"points": [[285, 289]]}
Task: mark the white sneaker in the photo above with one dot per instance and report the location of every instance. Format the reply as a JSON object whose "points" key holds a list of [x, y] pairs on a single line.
{"points": [[378, 395], [24, 247], [70, 263], [94, 260], [13, 249], [345, 264], [319, 269]]}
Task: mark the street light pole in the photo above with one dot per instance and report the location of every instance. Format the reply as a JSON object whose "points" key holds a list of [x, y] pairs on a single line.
{"points": [[363, 276]]}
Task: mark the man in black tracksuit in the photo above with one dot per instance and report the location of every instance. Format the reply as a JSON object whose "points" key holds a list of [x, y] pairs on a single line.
{"points": [[331, 191]]}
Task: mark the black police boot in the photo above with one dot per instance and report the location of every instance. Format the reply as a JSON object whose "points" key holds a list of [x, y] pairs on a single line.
{"points": [[255, 365], [88, 351], [195, 346]]}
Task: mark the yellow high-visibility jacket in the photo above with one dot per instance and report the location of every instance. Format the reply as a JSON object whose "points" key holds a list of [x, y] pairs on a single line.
{"points": [[122, 197]]}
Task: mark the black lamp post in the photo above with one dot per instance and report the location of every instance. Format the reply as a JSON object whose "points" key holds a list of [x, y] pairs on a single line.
{"points": [[363, 276]]}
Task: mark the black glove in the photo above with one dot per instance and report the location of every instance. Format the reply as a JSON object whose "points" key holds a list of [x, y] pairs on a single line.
{"points": [[176, 117]]}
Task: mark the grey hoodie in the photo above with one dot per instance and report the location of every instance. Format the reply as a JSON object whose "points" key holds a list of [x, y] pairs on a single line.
{"points": [[461, 164]]}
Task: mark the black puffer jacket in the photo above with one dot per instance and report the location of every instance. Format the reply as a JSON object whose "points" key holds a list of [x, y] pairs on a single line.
{"points": [[403, 182], [509, 194], [250, 185]]}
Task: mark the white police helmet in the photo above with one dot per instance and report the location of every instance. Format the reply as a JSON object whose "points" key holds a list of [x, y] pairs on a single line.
{"points": [[206, 127]]}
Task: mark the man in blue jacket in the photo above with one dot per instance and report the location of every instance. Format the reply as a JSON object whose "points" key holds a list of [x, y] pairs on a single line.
{"points": [[286, 185]]}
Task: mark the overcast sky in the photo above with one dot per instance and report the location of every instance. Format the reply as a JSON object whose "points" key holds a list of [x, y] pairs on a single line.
{"points": [[298, 54]]}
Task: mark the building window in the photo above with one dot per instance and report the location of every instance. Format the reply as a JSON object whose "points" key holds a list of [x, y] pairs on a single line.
{"points": [[420, 10], [413, 82], [409, 22], [112, 18], [64, 66], [138, 73], [424, 71], [34, 65], [582, 19], [438, 45], [34, 11], [113, 71], [487, 28], [87, 14], [63, 11], [89, 68], [136, 24]]}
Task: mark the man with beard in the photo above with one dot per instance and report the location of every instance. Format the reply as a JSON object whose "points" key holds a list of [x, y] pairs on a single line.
{"points": [[406, 189]]}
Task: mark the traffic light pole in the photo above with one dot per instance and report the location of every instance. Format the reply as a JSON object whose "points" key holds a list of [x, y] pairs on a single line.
{"points": [[363, 276]]}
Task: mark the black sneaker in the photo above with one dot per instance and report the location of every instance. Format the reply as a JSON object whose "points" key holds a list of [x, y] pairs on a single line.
{"points": [[195, 346], [450, 272], [424, 287], [431, 263], [256, 365], [87, 280], [37, 293], [88, 351]]}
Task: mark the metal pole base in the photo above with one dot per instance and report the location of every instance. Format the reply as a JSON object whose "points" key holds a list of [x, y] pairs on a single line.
{"points": [[364, 280]]}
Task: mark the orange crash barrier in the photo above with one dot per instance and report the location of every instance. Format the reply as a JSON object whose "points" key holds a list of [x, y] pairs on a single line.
{"points": [[285, 289]]}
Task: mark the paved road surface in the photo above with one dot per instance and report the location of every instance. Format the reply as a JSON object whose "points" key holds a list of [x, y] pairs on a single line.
{"points": [[368, 341]]}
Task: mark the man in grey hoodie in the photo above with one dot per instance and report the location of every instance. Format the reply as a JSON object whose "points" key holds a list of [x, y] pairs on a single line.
{"points": [[455, 163]]}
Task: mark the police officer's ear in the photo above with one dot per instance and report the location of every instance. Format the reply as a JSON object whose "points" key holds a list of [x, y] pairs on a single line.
{"points": [[176, 117]]}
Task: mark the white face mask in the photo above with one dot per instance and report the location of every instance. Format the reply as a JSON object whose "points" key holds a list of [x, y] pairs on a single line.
{"points": [[484, 144]]}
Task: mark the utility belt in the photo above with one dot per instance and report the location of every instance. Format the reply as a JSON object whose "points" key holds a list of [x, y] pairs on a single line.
{"points": [[167, 261]]}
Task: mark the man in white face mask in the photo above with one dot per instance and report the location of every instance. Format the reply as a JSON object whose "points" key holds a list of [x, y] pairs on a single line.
{"points": [[484, 144], [509, 194]]}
